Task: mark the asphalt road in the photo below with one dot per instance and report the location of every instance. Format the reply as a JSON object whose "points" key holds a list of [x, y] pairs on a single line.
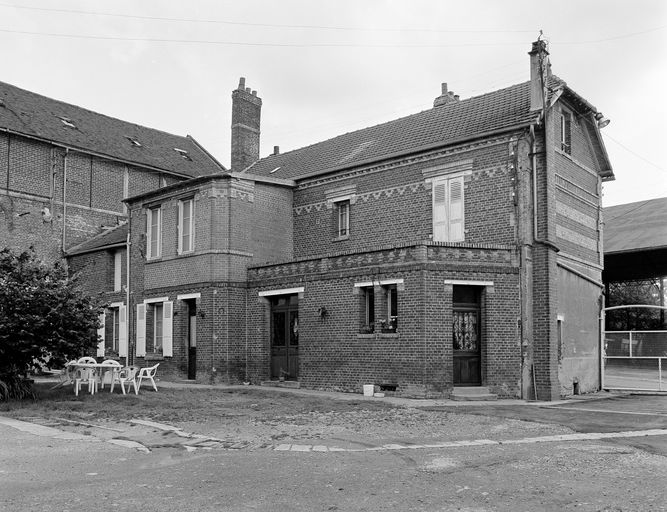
{"points": [[40, 473]]}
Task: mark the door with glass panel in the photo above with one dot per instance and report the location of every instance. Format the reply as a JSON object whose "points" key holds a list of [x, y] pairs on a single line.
{"points": [[285, 337], [466, 336]]}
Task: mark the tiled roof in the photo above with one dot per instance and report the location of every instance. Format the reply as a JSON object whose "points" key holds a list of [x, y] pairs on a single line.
{"points": [[31, 114], [109, 238], [441, 125], [635, 226]]}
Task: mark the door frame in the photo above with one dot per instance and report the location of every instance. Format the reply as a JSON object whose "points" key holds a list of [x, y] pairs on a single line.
{"points": [[476, 307]]}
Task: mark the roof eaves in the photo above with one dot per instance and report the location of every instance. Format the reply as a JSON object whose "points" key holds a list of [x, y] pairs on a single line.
{"points": [[175, 186], [264, 179]]}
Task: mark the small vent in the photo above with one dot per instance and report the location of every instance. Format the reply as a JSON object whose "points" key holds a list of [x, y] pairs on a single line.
{"points": [[134, 141]]}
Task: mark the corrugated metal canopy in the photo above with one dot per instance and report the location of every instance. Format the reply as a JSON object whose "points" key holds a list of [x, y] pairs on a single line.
{"points": [[635, 226]]}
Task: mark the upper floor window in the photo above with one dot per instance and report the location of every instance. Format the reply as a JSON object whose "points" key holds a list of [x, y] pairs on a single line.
{"points": [[448, 209], [185, 225], [154, 234], [343, 215], [566, 133]]}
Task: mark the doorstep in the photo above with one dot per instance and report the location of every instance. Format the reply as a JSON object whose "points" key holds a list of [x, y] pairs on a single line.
{"points": [[292, 384], [480, 393]]}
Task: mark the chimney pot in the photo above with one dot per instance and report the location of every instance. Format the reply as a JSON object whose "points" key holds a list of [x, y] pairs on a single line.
{"points": [[246, 113], [445, 97], [276, 150]]}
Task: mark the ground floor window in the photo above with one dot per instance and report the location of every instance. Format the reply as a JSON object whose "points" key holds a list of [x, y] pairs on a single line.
{"points": [[154, 328], [367, 310]]}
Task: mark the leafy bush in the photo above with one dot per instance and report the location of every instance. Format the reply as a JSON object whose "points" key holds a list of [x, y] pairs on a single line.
{"points": [[45, 319]]}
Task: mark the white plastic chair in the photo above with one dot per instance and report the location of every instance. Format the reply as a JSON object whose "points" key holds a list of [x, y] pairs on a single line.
{"points": [[107, 374], [148, 374], [85, 376], [87, 360], [126, 376]]}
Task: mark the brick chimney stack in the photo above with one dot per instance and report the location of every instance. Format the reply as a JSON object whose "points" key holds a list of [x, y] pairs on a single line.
{"points": [[246, 110], [540, 71], [445, 97]]}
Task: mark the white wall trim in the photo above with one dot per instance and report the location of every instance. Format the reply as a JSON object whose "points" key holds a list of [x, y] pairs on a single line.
{"points": [[115, 305], [156, 299], [463, 282], [381, 282], [186, 296], [282, 291]]}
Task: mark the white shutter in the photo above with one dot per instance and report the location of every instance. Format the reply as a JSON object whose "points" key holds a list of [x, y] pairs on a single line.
{"points": [[149, 222], [456, 203], [141, 330], [440, 211], [167, 328], [179, 224], [100, 336], [122, 331]]}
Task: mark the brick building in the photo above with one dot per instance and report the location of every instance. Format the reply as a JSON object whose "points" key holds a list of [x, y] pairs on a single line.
{"points": [[457, 247], [64, 172]]}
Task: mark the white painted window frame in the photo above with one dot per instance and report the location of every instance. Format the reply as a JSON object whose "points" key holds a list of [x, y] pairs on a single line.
{"points": [[181, 225], [150, 213]]}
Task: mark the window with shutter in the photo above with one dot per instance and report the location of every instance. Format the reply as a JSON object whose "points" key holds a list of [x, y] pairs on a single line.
{"points": [[154, 233], [448, 210], [185, 226]]}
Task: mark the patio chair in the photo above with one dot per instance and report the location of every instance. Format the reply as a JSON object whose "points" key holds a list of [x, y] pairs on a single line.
{"points": [[107, 374], [85, 376], [148, 374], [126, 376], [87, 360], [66, 375]]}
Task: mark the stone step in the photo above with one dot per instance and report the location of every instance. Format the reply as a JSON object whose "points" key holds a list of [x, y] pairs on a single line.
{"points": [[293, 384], [472, 393]]}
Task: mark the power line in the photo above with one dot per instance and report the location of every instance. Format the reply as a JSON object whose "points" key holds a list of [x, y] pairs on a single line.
{"points": [[623, 36], [606, 135], [238, 43], [266, 25]]}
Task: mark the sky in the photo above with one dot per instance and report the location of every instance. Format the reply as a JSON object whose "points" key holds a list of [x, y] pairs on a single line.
{"points": [[325, 67]]}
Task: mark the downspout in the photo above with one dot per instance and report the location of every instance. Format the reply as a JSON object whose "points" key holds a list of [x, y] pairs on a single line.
{"points": [[64, 198], [127, 292]]}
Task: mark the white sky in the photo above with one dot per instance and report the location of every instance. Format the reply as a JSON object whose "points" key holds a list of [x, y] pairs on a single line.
{"points": [[323, 68]]}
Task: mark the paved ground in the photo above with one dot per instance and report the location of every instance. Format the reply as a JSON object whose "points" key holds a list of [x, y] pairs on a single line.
{"points": [[601, 453]]}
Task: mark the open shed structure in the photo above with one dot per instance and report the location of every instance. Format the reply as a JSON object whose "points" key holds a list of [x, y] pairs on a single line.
{"points": [[635, 272]]}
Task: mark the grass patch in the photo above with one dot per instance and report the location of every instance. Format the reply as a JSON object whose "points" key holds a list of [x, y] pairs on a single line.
{"points": [[177, 405]]}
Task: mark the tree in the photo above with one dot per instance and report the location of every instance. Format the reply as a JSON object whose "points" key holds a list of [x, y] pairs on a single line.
{"points": [[45, 319]]}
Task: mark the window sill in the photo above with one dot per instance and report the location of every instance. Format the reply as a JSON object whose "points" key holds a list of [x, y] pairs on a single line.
{"points": [[366, 336], [389, 335], [153, 357], [341, 238]]}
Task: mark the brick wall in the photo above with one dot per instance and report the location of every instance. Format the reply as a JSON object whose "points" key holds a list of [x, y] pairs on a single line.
{"points": [[393, 202]]}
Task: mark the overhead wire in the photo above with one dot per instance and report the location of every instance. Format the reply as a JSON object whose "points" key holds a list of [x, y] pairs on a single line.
{"points": [[266, 25]]}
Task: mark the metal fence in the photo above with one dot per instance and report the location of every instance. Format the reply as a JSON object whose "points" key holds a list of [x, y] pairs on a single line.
{"points": [[635, 359]]}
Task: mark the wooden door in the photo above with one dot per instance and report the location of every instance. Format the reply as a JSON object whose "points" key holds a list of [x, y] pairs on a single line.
{"points": [[192, 339], [285, 338], [466, 337]]}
